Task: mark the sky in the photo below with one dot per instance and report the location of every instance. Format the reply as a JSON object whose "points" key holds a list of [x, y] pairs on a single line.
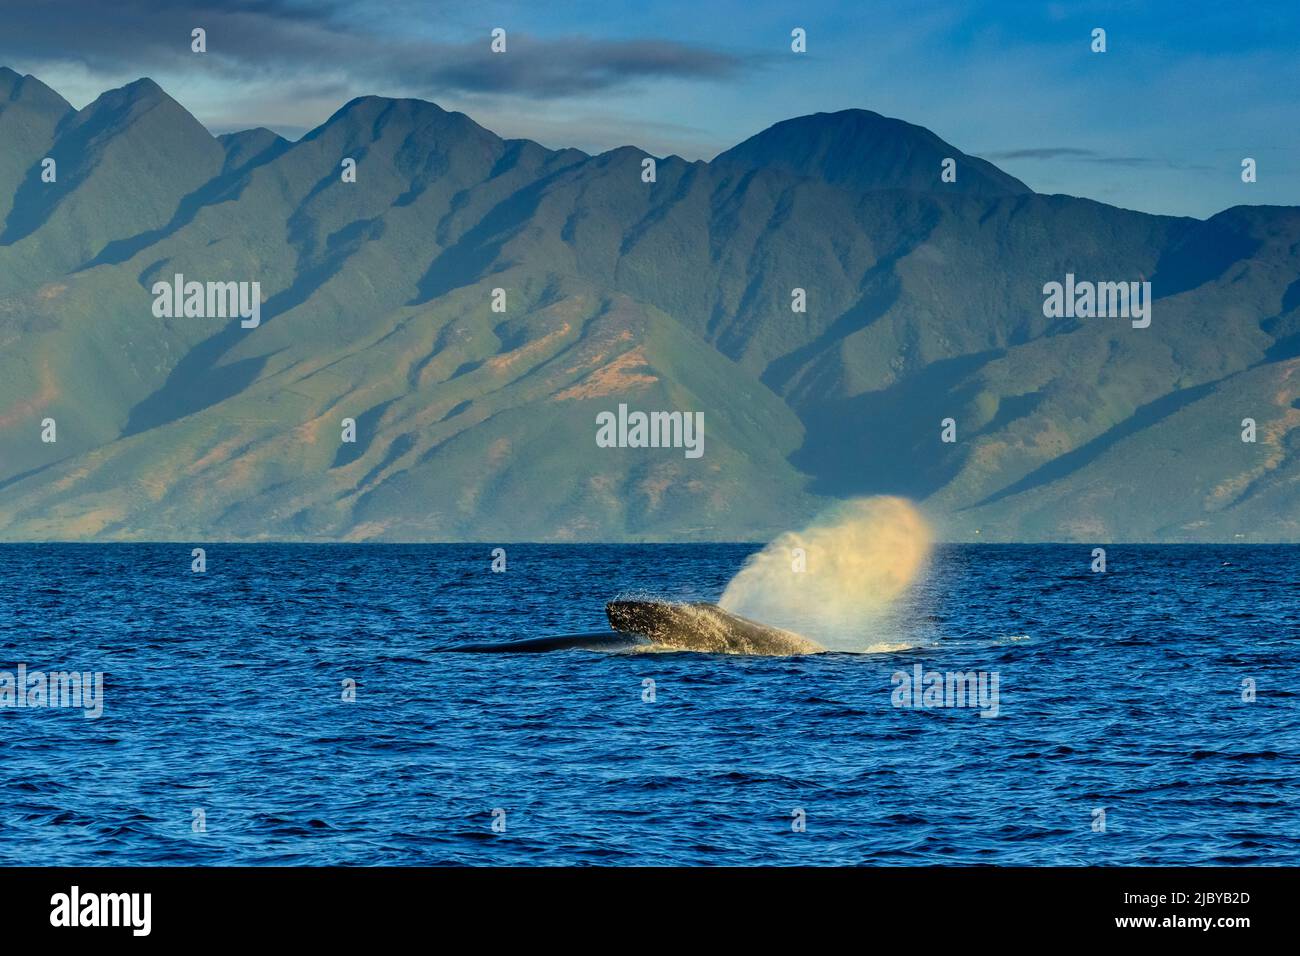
{"points": [[1159, 122]]}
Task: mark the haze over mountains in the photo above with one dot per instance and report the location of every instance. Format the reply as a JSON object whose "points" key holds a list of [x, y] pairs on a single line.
{"points": [[924, 302]]}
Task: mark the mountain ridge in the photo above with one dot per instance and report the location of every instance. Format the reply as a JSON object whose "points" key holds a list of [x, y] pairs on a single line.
{"points": [[923, 303]]}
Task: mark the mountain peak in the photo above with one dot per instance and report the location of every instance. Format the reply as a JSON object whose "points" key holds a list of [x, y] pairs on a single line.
{"points": [[367, 119], [259, 135], [143, 87], [863, 149], [129, 101], [371, 107], [116, 111], [246, 146], [17, 88], [370, 114]]}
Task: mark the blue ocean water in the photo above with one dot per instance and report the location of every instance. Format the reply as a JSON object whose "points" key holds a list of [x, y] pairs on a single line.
{"points": [[1120, 692]]}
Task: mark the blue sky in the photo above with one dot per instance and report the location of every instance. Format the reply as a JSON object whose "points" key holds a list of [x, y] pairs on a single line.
{"points": [[1160, 122]]}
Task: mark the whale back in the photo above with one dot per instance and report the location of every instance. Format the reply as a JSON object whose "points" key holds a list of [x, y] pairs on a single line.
{"points": [[703, 627]]}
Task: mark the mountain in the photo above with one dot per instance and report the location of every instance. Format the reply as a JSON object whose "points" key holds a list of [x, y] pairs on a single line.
{"points": [[30, 112], [861, 150], [249, 146], [924, 301]]}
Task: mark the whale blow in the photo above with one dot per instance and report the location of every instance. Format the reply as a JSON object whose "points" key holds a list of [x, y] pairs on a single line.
{"points": [[838, 579]]}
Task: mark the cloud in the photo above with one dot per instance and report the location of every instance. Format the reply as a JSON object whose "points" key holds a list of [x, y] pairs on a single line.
{"points": [[1089, 156], [569, 66], [246, 38], [1044, 152]]}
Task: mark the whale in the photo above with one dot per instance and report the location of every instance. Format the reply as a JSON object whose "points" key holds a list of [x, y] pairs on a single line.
{"points": [[704, 627], [651, 626], [597, 641]]}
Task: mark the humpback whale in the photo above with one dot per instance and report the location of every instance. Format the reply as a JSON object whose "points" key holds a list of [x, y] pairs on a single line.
{"points": [[600, 641], [703, 627], [666, 626]]}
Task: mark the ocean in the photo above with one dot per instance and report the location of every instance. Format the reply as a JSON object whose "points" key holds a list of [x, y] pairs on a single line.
{"points": [[1145, 715]]}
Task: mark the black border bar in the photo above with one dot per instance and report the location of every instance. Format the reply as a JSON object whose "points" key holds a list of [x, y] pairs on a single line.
{"points": [[944, 906]]}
